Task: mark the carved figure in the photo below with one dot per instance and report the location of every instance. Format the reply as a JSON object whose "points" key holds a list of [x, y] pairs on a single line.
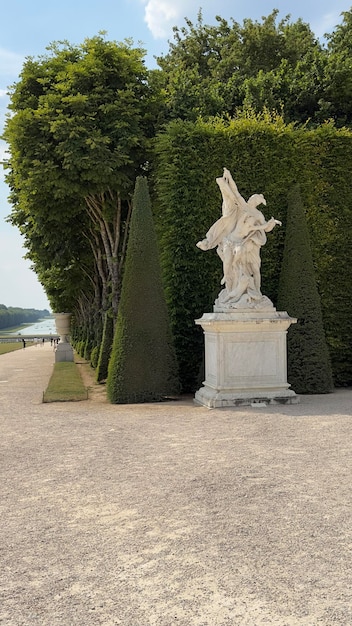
{"points": [[238, 236]]}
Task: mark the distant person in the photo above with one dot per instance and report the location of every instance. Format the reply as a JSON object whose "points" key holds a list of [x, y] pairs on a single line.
{"points": [[43, 341], [24, 343]]}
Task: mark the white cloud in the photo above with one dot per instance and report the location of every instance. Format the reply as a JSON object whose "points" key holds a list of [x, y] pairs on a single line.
{"points": [[162, 15], [10, 63]]}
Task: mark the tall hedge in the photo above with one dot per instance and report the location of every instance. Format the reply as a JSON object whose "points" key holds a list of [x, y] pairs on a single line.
{"points": [[330, 227], [308, 366], [264, 156], [143, 365]]}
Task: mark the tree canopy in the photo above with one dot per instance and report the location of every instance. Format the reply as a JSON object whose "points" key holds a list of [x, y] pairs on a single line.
{"points": [[78, 136], [277, 64]]}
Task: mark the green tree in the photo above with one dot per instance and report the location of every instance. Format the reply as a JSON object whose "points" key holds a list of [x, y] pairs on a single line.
{"points": [[338, 76], [81, 118], [142, 367], [309, 369], [214, 70]]}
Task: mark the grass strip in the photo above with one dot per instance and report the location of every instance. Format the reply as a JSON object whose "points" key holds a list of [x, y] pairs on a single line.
{"points": [[65, 384], [10, 347]]}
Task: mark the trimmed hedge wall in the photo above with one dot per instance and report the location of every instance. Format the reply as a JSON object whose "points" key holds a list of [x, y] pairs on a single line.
{"points": [[264, 156]]}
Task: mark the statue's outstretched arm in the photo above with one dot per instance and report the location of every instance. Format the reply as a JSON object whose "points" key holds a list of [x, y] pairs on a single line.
{"points": [[270, 224], [233, 187]]}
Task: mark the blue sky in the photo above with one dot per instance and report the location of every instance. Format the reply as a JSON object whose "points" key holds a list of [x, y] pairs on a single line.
{"points": [[27, 28]]}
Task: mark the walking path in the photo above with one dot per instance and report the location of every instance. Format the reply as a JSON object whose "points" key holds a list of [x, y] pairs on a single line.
{"points": [[171, 514]]}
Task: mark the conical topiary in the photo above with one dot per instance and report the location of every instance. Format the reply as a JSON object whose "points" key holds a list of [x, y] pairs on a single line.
{"points": [[308, 366], [105, 348], [143, 365]]}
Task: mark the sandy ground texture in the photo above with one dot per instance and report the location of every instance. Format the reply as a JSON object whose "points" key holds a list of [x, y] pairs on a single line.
{"points": [[171, 514]]}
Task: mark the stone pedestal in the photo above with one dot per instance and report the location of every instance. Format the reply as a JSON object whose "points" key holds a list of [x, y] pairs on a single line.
{"points": [[245, 358], [64, 351]]}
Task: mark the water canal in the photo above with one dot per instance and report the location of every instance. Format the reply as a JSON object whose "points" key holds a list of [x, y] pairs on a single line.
{"points": [[38, 329]]}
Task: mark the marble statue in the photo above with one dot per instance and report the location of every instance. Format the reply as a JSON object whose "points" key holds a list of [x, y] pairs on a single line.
{"points": [[238, 236]]}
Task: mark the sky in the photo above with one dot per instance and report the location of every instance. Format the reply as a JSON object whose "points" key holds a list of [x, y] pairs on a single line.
{"points": [[27, 28]]}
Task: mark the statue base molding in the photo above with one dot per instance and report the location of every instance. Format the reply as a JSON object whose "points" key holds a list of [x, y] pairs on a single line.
{"points": [[245, 359]]}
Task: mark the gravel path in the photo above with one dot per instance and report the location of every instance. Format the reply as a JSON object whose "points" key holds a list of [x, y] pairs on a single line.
{"points": [[171, 514]]}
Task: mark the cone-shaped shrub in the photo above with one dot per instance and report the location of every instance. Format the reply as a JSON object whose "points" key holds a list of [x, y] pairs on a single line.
{"points": [[105, 348], [143, 365], [308, 367]]}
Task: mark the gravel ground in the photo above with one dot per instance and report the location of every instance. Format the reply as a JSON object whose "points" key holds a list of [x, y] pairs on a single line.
{"points": [[171, 514]]}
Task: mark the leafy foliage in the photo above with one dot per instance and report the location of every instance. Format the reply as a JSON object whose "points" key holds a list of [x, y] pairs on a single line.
{"points": [[338, 73], [105, 348], [214, 70], [78, 134], [142, 367]]}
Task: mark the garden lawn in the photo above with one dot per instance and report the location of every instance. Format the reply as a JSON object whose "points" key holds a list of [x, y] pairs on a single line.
{"points": [[10, 347], [65, 384]]}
